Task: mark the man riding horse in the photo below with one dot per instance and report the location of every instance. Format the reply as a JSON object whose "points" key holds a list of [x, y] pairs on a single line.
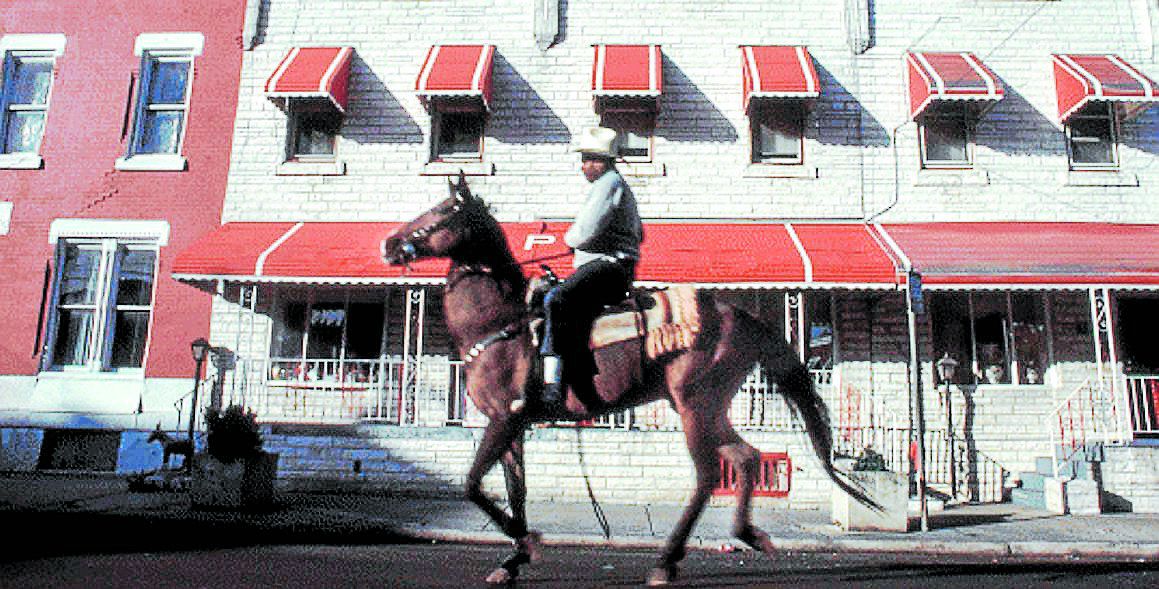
{"points": [[606, 237]]}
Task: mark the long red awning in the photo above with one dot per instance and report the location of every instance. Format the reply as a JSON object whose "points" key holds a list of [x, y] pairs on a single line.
{"points": [[627, 70], [719, 255], [948, 76], [777, 72], [1029, 254], [312, 73], [460, 73], [1079, 79]]}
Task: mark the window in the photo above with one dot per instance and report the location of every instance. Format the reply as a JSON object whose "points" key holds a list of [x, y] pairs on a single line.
{"points": [[945, 136], [635, 130], [333, 339], [457, 136], [160, 115], [26, 74], [778, 133], [1000, 338], [313, 135], [1091, 138], [103, 303]]}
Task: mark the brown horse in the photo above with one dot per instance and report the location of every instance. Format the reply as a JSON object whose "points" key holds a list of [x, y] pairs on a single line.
{"points": [[487, 317]]}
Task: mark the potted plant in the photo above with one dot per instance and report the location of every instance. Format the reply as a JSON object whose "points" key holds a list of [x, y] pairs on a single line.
{"points": [[889, 489], [234, 471]]}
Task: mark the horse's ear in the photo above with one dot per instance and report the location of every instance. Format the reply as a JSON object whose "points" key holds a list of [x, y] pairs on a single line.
{"points": [[462, 188], [451, 191], [158, 426]]}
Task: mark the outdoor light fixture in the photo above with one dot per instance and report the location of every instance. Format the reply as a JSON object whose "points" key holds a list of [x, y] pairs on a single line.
{"points": [[200, 348], [947, 366]]}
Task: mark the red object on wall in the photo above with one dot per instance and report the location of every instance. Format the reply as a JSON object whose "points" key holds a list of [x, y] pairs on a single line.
{"points": [[1079, 79], [87, 127], [948, 76], [774, 476]]}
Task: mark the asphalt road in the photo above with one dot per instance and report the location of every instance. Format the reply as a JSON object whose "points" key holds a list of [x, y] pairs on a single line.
{"points": [[450, 565]]}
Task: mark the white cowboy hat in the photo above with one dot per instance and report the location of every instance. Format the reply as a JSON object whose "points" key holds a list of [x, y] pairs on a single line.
{"points": [[597, 141]]}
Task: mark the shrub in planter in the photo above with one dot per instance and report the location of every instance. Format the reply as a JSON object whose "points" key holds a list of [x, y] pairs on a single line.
{"points": [[233, 434], [234, 472], [887, 488]]}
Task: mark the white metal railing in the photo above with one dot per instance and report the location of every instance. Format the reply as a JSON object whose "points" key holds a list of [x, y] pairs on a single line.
{"points": [[1143, 404], [1089, 414]]}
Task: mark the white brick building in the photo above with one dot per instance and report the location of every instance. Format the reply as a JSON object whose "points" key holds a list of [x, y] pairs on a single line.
{"points": [[852, 153]]}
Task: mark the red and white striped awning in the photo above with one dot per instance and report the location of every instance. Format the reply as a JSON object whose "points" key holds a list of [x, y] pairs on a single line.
{"points": [[778, 72], [318, 73], [458, 74], [948, 76], [1079, 79], [627, 70]]}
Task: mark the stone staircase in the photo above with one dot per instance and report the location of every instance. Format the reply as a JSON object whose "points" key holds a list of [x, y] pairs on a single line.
{"points": [[1076, 489]]}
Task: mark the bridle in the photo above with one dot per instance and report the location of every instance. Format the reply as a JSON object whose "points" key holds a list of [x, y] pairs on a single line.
{"points": [[448, 215]]}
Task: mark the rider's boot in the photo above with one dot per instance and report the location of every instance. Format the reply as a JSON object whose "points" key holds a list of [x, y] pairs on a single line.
{"points": [[552, 396]]}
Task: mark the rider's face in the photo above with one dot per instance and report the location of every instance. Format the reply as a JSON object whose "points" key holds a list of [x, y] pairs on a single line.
{"points": [[594, 168]]}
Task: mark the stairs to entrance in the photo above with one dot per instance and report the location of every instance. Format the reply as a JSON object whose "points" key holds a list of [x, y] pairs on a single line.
{"points": [[1076, 489]]}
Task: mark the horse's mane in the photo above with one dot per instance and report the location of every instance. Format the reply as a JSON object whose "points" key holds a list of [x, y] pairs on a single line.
{"points": [[488, 246]]}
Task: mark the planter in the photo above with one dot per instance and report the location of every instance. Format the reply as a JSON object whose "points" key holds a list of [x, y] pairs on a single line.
{"points": [[242, 484], [888, 489]]}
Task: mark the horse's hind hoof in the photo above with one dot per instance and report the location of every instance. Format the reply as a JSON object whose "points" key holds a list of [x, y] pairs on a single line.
{"points": [[756, 539], [661, 576], [532, 546], [500, 576]]}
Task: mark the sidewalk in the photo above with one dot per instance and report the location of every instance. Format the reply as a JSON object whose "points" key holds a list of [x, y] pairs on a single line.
{"points": [[89, 506]]}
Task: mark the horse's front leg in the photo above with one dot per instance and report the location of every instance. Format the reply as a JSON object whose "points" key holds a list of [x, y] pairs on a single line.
{"points": [[497, 442], [528, 549]]}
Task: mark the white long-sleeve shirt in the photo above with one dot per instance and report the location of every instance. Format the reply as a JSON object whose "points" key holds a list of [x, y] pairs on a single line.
{"points": [[608, 223]]}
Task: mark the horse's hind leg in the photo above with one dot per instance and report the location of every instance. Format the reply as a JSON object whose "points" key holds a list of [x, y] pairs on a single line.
{"points": [[745, 459]]}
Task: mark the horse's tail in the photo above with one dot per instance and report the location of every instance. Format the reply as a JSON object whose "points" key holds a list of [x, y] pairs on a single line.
{"points": [[795, 384]]}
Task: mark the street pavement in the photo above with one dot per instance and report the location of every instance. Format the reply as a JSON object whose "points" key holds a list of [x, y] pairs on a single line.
{"points": [[93, 512]]}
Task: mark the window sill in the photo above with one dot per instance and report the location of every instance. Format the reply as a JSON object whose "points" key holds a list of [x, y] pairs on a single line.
{"points": [[642, 169], [1100, 178], [21, 161], [76, 373], [952, 177], [151, 162], [336, 168], [798, 171], [453, 169]]}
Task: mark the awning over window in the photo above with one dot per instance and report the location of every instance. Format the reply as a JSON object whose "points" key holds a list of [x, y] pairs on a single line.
{"points": [[627, 75], [932, 77], [457, 75], [777, 72], [719, 255], [1079, 79], [1029, 254], [312, 73]]}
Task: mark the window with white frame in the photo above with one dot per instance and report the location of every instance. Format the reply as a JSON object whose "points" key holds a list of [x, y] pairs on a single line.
{"points": [[457, 136], [946, 136], [313, 135], [998, 338], [160, 113], [103, 303], [635, 129], [1092, 138], [27, 66], [777, 132]]}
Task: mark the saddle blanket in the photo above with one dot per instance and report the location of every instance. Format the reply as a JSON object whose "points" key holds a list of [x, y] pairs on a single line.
{"points": [[670, 322]]}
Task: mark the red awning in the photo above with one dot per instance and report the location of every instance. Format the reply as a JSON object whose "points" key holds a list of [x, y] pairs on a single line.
{"points": [[312, 73], [1079, 79], [778, 72], [1029, 254], [719, 255], [948, 76], [457, 74], [627, 70]]}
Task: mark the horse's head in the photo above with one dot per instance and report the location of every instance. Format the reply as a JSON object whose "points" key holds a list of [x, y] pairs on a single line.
{"points": [[436, 232], [157, 434]]}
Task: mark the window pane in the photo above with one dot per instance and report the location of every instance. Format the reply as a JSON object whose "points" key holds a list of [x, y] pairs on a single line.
{"points": [[72, 337], [79, 276], [23, 130], [135, 284], [129, 334], [1091, 141], [777, 135], [1029, 337], [325, 335], [364, 330], [167, 82], [635, 132], [820, 354], [946, 140], [160, 132], [460, 135], [314, 135], [991, 332], [31, 80]]}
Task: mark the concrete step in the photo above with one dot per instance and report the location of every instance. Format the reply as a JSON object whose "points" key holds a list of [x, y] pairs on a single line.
{"points": [[1032, 481], [1028, 498]]}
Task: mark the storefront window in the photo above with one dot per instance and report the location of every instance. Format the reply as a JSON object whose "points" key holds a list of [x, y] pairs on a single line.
{"points": [[999, 337]]}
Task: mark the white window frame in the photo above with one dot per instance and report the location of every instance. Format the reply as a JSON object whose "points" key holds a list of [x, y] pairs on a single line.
{"points": [[109, 237], [626, 121], [25, 46], [769, 110], [152, 47], [436, 130], [957, 110], [1107, 112]]}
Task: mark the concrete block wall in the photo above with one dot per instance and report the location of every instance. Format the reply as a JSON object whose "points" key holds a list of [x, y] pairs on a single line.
{"points": [[1131, 479]]}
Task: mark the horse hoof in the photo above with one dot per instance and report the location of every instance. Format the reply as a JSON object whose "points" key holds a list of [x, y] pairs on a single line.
{"points": [[661, 576], [756, 539], [500, 576], [532, 545]]}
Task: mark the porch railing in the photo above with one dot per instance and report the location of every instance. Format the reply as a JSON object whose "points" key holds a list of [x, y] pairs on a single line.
{"points": [[1143, 404], [1090, 414]]}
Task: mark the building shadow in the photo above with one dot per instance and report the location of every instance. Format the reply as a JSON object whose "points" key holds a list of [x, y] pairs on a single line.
{"points": [[837, 111], [686, 114], [1013, 126], [520, 114], [1142, 132], [374, 114]]}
